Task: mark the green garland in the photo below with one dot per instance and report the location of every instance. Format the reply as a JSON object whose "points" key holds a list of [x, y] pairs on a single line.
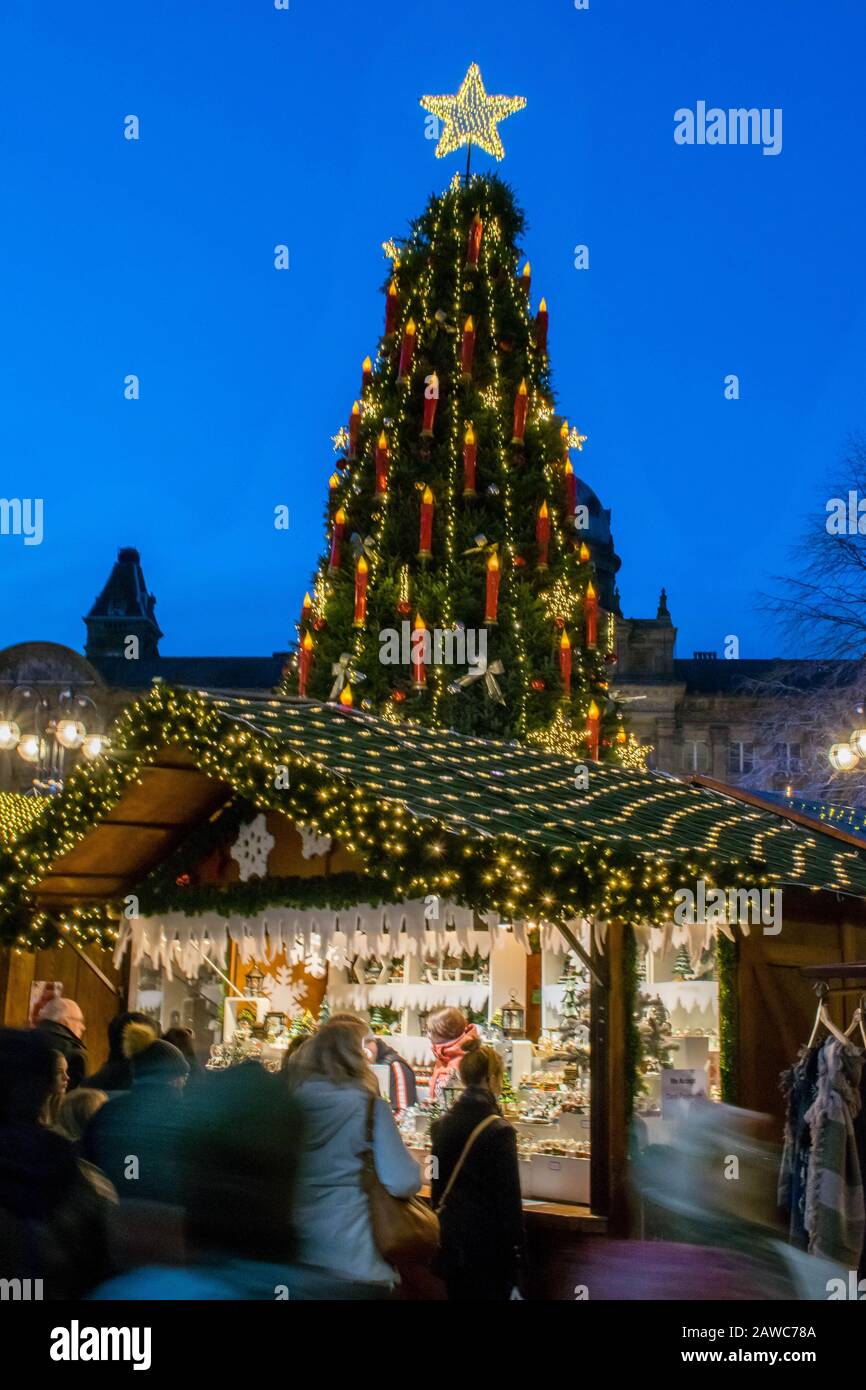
{"points": [[631, 989], [257, 895], [727, 962]]}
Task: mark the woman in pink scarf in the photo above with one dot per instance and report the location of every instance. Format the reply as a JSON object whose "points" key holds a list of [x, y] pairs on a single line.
{"points": [[450, 1036]]}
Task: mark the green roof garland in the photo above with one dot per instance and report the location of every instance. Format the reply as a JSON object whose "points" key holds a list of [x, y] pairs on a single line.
{"points": [[486, 824]]}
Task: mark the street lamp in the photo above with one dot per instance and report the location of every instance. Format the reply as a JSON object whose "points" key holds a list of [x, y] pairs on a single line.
{"points": [[57, 728]]}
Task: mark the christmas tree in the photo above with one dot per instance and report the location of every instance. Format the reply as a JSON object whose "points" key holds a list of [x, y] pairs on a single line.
{"points": [[457, 586], [683, 965], [656, 1034]]}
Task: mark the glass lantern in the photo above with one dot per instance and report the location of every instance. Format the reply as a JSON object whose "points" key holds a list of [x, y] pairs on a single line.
{"points": [[513, 1018]]}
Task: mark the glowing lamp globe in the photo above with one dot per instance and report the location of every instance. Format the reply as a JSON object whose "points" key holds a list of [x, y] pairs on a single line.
{"points": [[70, 733], [28, 748], [94, 745], [858, 742], [843, 757], [9, 735]]}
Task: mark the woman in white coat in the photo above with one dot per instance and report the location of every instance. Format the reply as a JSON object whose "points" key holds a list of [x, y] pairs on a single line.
{"points": [[333, 1083]]}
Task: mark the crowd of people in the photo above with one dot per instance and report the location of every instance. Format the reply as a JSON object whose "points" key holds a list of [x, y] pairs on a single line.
{"points": [[154, 1178]]}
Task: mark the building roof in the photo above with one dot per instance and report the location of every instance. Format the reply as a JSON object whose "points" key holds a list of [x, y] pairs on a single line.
{"points": [[125, 593], [249, 673]]}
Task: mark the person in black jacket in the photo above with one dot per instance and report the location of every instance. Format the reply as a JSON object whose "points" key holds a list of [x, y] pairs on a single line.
{"points": [[482, 1216], [62, 1023], [116, 1073]]}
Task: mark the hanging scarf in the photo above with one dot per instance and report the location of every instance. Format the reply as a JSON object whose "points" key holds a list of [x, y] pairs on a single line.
{"points": [[834, 1215], [448, 1056]]}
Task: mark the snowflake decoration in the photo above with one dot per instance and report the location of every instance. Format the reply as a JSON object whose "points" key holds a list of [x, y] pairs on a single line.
{"points": [[313, 844], [340, 440], [576, 440], [392, 250], [252, 848], [284, 993]]}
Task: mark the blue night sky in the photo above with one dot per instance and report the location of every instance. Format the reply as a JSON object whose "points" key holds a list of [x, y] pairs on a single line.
{"points": [[261, 126]]}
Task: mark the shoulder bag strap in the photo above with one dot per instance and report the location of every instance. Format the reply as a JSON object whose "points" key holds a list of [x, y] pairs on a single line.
{"points": [[488, 1120], [371, 1120]]}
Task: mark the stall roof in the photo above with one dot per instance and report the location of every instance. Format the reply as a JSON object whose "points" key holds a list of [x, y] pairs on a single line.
{"points": [[468, 785]]}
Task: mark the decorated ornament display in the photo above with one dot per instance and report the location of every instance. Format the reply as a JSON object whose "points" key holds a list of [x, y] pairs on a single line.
{"points": [[305, 661], [593, 725], [470, 454], [542, 535], [425, 541], [354, 427], [541, 323], [521, 401], [419, 670], [590, 615], [337, 538], [565, 661], [382, 461], [407, 350], [431, 401], [361, 577], [473, 242], [467, 347], [392, 309], [491, 592]]}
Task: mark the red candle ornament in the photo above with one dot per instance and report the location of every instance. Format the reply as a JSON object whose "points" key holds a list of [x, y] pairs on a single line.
{"points": [[565, 661], [541, 323], [473, 245], [526, 279], [354, 427], [570, 489], [382, 464], [467, 349], [419, 639], [424, 548], [366, 374], [521, 401], [407, 351], [593, 724], [336, 538], [470, 454], [361, 576], [306, 612], [333, 486], [347, 699], [491, 596], [392, 309], [431, 401], [590, 615], [583, 553], [305, 661], [542, 535]]}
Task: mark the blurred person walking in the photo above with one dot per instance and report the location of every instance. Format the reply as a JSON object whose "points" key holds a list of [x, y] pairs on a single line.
{"points": [[62, 1023], [239, 1157], [338, 1098], [134, 1138], [476, 1187], [76, 1111]]}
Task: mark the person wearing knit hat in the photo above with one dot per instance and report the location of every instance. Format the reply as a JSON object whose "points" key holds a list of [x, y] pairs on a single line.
{"points": [[134, 1137]]}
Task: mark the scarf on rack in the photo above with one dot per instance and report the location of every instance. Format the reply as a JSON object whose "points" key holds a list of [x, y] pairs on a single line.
{"points": [[834, 1212], [447, 1055]]}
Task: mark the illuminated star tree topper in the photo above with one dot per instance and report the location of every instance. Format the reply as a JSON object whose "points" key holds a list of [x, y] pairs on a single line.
{"points": [[471, 117]]}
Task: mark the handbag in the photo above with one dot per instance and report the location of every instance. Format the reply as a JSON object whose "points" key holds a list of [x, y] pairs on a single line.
{"points": [[405, 1230]]}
